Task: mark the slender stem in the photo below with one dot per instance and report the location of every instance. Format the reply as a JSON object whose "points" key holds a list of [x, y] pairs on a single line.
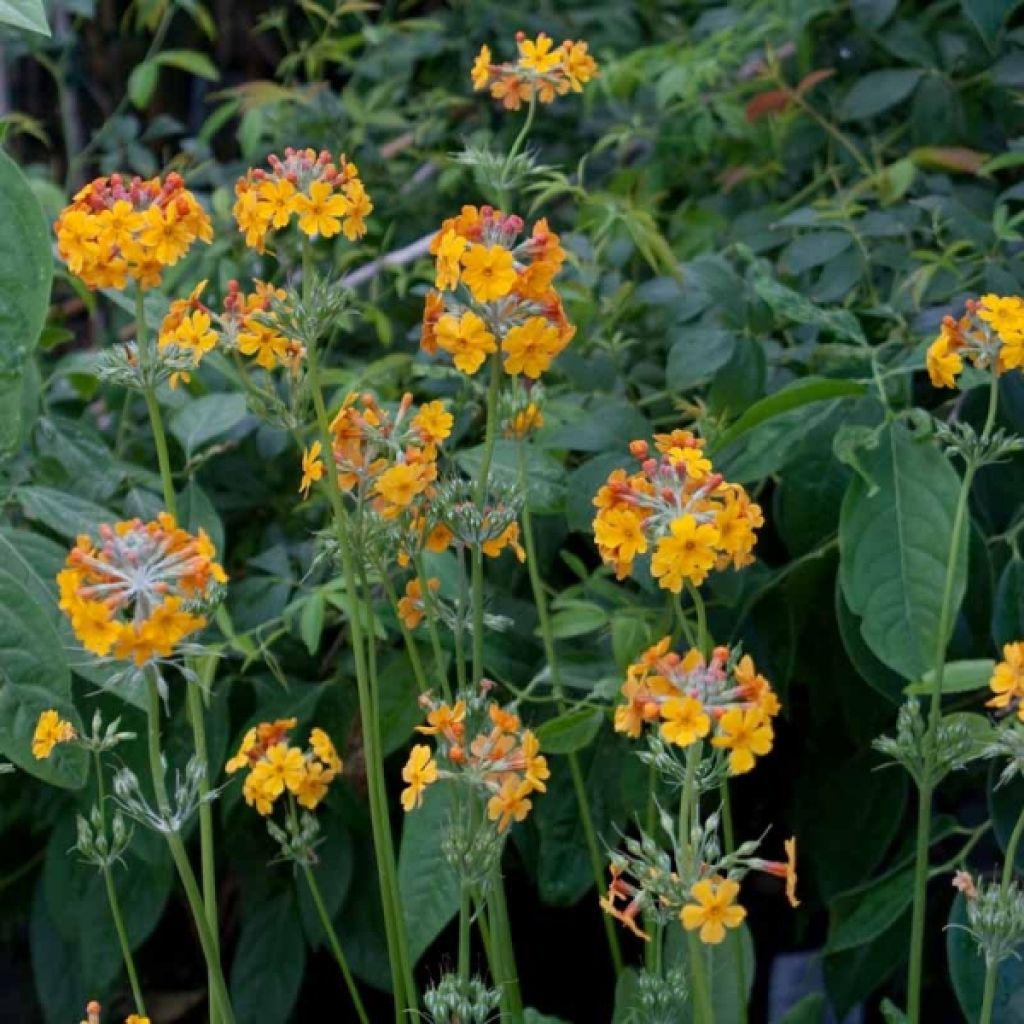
{"points": [[575, 770], [703, 640], [430, 614], [689, 804], [465, 915], [682, 621], [410, 641], [992, 968], [508, 981], [219, 991], [112, 897], [152, 405]]}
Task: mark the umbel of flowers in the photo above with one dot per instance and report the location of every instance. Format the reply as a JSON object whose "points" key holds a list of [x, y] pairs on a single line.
{"points": [[494, 292], [541, 70], [990, 335], [678, 509], [723, 699], [325, 194], [121, 228], [140, 589]]}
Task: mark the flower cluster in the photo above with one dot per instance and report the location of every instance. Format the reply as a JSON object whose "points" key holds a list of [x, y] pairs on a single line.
{"points": [[1007, 682], [275, 766], [691, 698], [246, 325], [494, 292], [480, 745], [989, 334], [541, 69], [118, 228], [326, 196], [140, 590], [678, 508], [50, 730]]}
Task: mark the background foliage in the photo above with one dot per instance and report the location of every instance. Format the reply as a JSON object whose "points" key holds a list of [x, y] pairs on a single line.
{"points": [[769, 206]]}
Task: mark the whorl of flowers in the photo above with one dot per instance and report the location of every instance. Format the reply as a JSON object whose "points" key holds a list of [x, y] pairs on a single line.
{"points": [[275, 767], [691, 699], [540, 68], [1007, 682], [495, 292], [245, 324], [138, 591], [120, 228], [677, 508], [326, 195], [989, 334], [483, 746]]}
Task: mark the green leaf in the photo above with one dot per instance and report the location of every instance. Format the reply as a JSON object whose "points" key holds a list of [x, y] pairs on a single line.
{"points": [[870, 15], [26, 270], [142, 83], [868, 911], [877, 92], [400, 712], [545, 477], [813, 250], [26, 14], [65, 514], [604, 427], [876, 674], [192, 61], [722, 963], [988, 16], [892, 1013], [697, 354], [311, 621], [1008, 613], [31, 651], [427, 883], [957, 677], [206, 418], [333, 872], [578, 618], [570, 731], [20, 708], [793, 306], [893, 549], [810, 1010], [270, 960]]}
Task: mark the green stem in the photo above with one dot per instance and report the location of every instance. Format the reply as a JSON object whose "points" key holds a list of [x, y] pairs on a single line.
{"points": [[112, 898], [547, 635], [430, 613], [508, 979], [152, 405], [410, 641], [689, 809], [465, 914], [460, 621], [992, 969], [703, 640], [219, 991]]}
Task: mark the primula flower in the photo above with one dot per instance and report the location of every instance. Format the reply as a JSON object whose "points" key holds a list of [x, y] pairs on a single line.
{"points": [[419, 772], [541, 68], [714, 909], [619, 889], [410, 607], [466, 339], [326, 195], [1007, 682], [134, 592], [118, 228], [782, 869], [511, 803], [990, 335], [50, 730], [744, 733]]}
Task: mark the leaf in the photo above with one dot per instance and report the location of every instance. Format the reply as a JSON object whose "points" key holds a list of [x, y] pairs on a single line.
{"points": [[600, 429], [142, 83], [26, 14], [206, 418], [813, 249], [877, 92], [26, 270], [192, 61], [810, 1010], [861, 915], [333, 872], [20, 708], [66, 514], [793, 306], [1008, 613], [697, 354], [894, 546], [578, 618], [545, 476], [270, 960], [870, 15], [948, 158], [988, 16], [570, 731], [427, 883], [722, 964], [31, 651], [957, 677]]}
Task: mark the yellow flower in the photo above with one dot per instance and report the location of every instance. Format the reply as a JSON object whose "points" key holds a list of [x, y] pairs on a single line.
{"points": [[481, 72], [714, 909], [445, 720], [313, 786], [530, 348], [321, 211], [509, 537], [686, 553], [944, 363], [312, 468], [287, 764], [166, 233], [578, 65], [275, 201], [410, 607], [195, 333], [619, 531], [686, 721], [1007, 682], [449, 252], [510, 803], [1005, 315], [419, 772], [263, 342], [539, 56], [466, 339], [402, 482], [488, 272], [433, 422], [535, 770], [744, 733], [525, 421], [359, 208], [50, 730], [324, 749]]}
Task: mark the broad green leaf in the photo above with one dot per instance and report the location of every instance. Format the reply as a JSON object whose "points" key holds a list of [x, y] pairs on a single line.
{"points": [[570, 731], [894, 545], [859, 916], [20, 708], [26, 14], [26, 266], [697, 353], [66, 514], [427, 883], [31, 651], [333, 873], [1008, 613], [578, 618], [1004, 806], [606, 425], [142, 83], [192, 61], [988, 16], [207, 418], [872, 14], [813, 249], [957, 677], [877, 92], [792, 305], [810, 1010], [722, 963], [399, 712]]}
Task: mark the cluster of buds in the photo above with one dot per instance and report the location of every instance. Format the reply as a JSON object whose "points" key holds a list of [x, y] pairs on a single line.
{"points": [[678, 508], [93, 843], [541, 70], [990, 334], [522, 413], [52, 730], [452, 1001], [691, 698], [494, 292], [482, 747], [955, 745], [275, 767], [186, 799], [141, 589], [246, 325], [118, 228], [995, 916], [661, 998], [326, 195], [93, 1010], [492, 529]]}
